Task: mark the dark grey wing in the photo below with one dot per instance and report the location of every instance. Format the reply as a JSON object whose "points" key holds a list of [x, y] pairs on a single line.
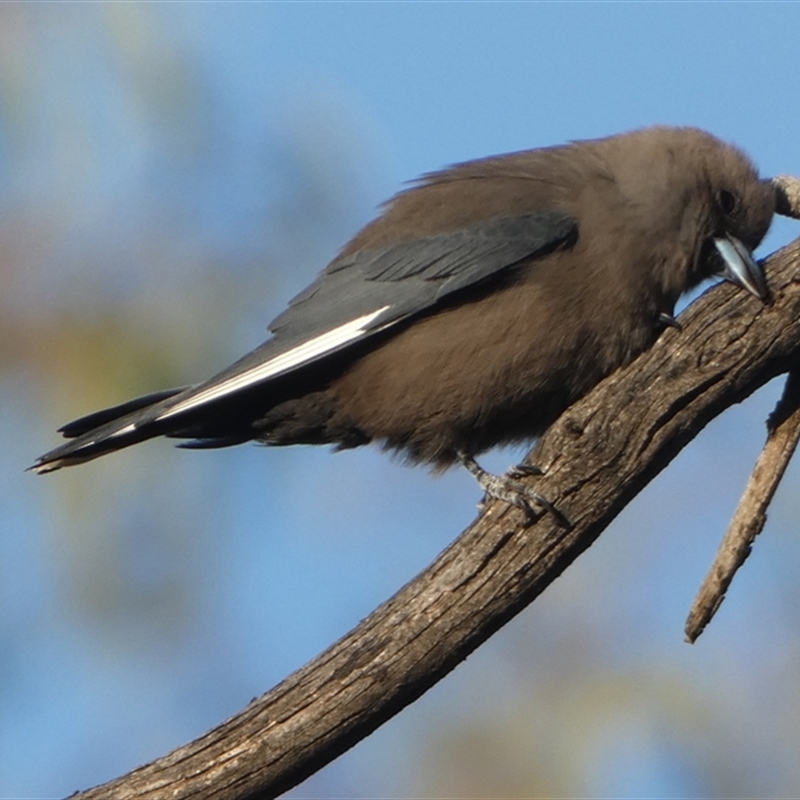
{"points": [[366, 292], [410, 277], [354, 298]]}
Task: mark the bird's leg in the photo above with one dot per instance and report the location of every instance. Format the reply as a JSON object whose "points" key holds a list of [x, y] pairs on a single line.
{"points": [[503, 487]]}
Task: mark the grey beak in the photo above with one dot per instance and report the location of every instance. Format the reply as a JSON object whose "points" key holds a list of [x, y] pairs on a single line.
{"points": [[740, 266]]}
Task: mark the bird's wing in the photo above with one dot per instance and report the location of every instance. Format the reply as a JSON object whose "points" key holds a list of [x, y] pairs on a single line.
{"points": [[368, 291], [356, 297]]}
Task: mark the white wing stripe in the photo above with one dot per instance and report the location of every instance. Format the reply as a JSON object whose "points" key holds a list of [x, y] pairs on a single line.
{"points": [[120, 432], [313, 348]]}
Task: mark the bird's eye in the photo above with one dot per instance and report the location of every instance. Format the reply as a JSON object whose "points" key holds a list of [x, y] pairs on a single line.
{"points": [[728, 201]]}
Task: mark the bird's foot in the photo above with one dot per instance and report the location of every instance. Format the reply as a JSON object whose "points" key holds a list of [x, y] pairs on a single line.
{"points": [[506, 488]]}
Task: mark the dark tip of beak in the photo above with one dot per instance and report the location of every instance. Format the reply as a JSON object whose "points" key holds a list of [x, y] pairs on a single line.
{"points": [[668, 321], [740, 267]]}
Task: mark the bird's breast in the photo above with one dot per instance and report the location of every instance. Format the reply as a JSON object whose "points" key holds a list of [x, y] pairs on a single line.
{"points": [[496, 369]]}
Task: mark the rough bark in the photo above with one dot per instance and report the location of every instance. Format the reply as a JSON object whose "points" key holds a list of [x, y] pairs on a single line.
{"points": [[751, 513], [597, 457]]}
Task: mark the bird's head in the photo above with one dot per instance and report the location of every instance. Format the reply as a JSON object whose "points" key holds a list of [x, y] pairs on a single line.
{"points": [[740, 209], [699, 202], [728, 211]]}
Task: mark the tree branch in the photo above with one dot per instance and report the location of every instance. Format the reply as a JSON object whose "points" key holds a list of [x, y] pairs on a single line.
{"points": [[596, 457], [751, 513]]}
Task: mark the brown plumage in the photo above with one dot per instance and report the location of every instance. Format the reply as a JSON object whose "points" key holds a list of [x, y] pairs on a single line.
{"points": [[478, 305]]}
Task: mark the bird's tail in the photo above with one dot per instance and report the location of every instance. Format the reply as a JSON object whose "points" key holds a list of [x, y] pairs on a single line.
{"points": [[108, 430]]}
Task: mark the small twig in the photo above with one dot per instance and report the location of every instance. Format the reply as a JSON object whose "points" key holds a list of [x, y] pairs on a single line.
{"points": [[748, 521], [787, 195]]}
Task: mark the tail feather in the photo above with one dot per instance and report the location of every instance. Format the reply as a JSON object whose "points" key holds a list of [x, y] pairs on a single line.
{"points": [[92, 421], [107, 430]]}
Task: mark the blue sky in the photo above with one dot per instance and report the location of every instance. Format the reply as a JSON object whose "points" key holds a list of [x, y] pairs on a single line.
{"points": [[170, 174]]}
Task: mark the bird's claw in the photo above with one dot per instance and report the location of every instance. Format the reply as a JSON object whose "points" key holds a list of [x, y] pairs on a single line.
{"points": [[505, 488], [524, 470]]}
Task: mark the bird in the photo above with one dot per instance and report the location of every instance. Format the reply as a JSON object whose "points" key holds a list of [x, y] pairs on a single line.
{"points": [[482, 301]]}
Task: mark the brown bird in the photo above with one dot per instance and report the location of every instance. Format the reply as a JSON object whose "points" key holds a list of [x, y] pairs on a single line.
{"points": [[478, 306]]}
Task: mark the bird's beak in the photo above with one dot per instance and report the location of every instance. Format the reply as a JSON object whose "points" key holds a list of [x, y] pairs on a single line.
{"points": [[740, 266]]}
